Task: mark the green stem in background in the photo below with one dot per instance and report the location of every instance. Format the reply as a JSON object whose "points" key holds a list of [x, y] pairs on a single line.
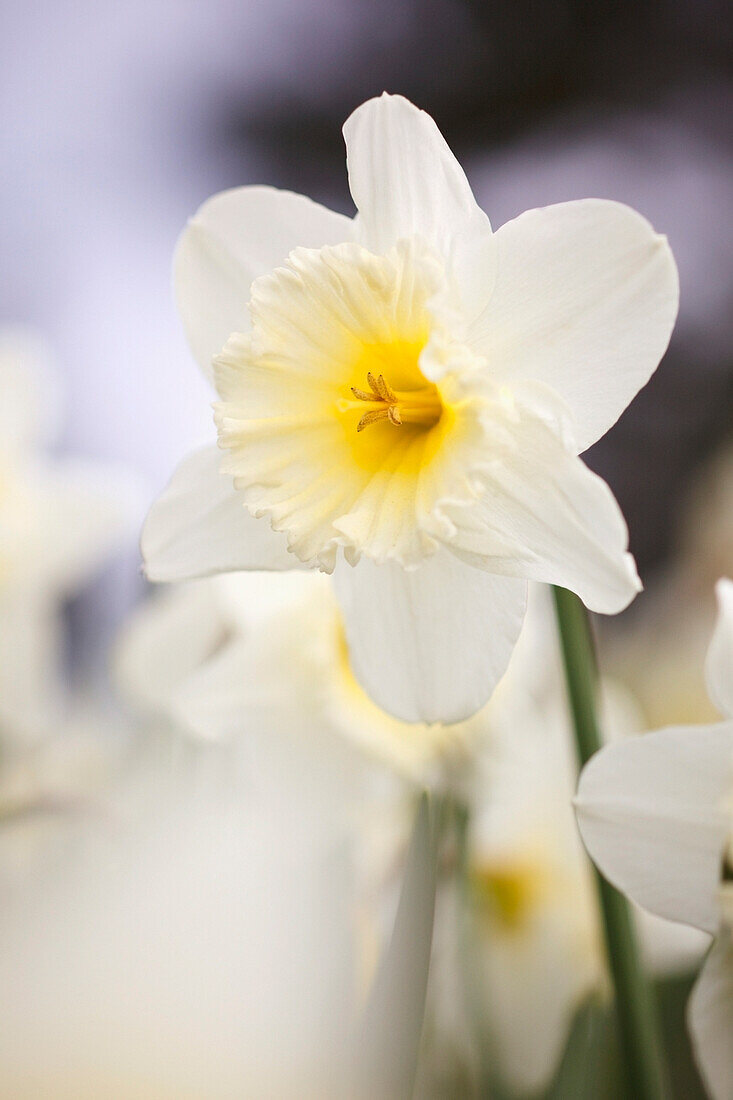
{"points": [[635, 1006]]}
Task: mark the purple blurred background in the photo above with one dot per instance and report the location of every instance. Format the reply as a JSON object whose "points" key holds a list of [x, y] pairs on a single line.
{"points": [[119, 119]]}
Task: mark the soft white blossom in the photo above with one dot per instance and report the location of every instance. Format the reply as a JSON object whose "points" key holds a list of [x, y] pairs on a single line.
{"points": [[59, 520], [260, 661], [197, 936], [538, 947], [413, 390], [231, 656], [656, 814]]}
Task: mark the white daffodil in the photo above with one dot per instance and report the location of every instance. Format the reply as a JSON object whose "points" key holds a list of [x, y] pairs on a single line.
{"points": [[656, 814], [58, 521], [415, 390]]}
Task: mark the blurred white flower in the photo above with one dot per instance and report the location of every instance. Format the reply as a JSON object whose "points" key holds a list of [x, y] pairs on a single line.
{"points": [[164, 639], [539, 953], [195, 941], [58, 522], [224, 657], [259, 661], [416, 390], [656, 814]]}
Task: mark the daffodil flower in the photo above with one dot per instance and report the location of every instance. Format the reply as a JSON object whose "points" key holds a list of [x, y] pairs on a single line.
{"points": [[413, 390], [656, 814]]}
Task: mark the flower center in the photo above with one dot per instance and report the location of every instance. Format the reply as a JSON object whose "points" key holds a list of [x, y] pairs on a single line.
{"points": [[509, 891], [338, 342], [381, 402]]}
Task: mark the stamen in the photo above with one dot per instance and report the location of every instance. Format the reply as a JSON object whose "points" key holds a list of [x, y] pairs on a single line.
{"points": [[421, 406], [382, 388], [361, 395], [372, 417]]}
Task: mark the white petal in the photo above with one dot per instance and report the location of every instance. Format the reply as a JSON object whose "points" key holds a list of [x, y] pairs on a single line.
{"points": [[164, 640], [264, 668], [265, 691], [652, 816], [199, 525], [585, 300], [429, 645], [249, 599], [220, 699], [719, 663], [405, 181], [233, 238], [389, 1042], [534, 980], [710, 1019], [669, 948], [246, 689], [545, 516]]}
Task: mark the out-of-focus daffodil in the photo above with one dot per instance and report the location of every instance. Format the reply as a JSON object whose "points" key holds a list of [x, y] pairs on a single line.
{"points": [[656, 814], [59, 519], [196, 939], [414, 390], [223, 656], [225, 659], [538, 951]]}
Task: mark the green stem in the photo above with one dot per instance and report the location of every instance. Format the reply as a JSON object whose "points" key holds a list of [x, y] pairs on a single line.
{"points": [[635, 1006]]}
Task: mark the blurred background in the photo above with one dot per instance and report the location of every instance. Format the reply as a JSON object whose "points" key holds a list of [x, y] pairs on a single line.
{"points": [[120, 119]]}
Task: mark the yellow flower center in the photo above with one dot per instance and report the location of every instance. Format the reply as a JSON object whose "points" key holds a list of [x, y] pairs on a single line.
{"points": [[509, 891], [422, 406], [338, 340]]}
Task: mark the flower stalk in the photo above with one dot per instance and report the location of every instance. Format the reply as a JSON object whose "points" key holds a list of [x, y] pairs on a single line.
{"points": [[635, 1008]]}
